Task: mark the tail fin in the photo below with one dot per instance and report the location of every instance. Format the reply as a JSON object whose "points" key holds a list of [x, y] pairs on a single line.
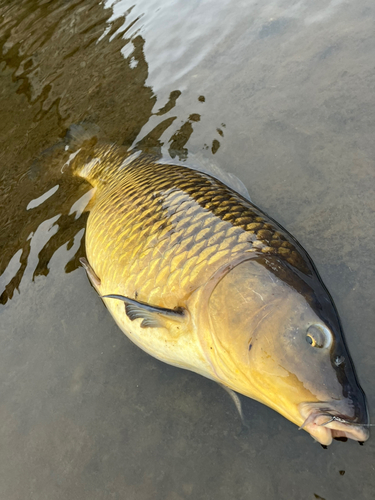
{"points": [[80, 133], [81, 142]]}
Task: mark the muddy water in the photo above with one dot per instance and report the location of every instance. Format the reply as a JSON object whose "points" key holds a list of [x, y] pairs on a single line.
{"points": [[278, 92]]}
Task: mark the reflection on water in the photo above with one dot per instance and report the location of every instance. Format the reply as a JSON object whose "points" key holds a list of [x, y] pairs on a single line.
{"points": [[67, 60], [281, 93]]}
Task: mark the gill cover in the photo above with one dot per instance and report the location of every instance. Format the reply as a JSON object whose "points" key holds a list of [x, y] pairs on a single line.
{"points": [[276, 337]]}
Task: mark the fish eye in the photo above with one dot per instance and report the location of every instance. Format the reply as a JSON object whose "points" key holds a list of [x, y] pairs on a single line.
{"points": [[318, 336]]}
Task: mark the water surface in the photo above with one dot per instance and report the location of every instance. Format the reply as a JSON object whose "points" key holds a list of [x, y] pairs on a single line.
{"points": [[278, 92]]}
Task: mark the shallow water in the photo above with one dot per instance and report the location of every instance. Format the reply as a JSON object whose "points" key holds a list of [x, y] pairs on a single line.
{"points": [[278, 92]]}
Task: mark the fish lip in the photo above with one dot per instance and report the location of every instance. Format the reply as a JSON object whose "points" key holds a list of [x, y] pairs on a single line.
{"points": [[324, 422]]}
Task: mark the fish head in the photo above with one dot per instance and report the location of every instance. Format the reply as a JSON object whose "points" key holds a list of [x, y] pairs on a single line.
{"points": [[276, 337]]}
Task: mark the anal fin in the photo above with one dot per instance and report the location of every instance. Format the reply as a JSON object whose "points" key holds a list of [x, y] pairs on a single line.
{"points": [[95, 280]]}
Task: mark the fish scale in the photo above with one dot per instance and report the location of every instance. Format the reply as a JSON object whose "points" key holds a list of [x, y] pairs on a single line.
{"points": [[151, 221], [200, 278]]}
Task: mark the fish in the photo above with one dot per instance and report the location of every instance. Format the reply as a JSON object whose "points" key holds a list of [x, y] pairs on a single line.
{"points": [[199, 277]]}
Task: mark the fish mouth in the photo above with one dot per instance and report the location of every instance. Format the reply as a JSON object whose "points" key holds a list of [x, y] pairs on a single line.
{"points": [[325, 423]]}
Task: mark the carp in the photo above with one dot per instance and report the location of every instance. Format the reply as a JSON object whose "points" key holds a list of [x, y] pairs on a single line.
{"points": [[199, 277]]}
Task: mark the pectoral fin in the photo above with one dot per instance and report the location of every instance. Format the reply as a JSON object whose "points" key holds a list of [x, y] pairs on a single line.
{"points": [[153, 316], [236, 400]]}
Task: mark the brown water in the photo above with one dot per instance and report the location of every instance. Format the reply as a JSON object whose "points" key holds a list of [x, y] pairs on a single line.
{"points": [[278, 92]]}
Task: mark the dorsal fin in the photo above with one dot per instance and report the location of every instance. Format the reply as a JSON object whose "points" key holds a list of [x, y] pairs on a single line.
{"points": [[88, 134], [203, 164]]}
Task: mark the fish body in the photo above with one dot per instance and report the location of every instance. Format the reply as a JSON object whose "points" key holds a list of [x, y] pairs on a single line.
{"points": [[163, 234], [200, 278]]}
